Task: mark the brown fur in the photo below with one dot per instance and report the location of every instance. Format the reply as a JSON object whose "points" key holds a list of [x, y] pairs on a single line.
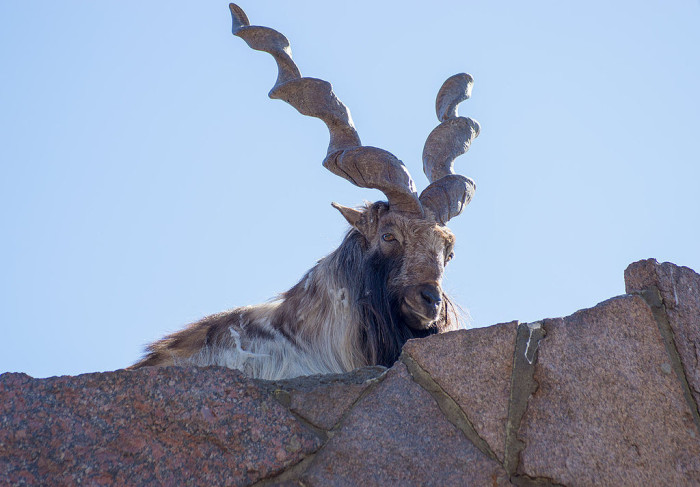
{"points": [[356, 307], [383, 285]]}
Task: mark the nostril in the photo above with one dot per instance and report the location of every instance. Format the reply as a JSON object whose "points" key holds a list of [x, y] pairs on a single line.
{"points": [[430, 295]]}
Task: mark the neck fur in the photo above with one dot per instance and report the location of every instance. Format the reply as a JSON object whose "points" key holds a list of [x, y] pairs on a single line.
{"points": [[343, 311]]}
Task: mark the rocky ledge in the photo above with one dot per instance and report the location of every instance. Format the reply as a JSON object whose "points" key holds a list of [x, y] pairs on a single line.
{"points": [[606, 396]]}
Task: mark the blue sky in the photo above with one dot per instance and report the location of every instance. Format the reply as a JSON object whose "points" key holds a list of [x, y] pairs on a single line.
{"points": [[147, 180]]}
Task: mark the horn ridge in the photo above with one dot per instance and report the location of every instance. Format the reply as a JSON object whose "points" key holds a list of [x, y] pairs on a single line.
{"points": [[446, 198], [445, 143], [315, 98], [274, 43], [309, 96], [366, 167], [448, 193], [371, 167], [454, 91], [240, 19]]}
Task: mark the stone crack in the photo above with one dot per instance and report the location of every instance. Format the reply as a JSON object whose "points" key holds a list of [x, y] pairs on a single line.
{"points": [[289, 475], [527, 481], [293, 473], [522, 386], [449, 407], [373, 384], [652, 296]]}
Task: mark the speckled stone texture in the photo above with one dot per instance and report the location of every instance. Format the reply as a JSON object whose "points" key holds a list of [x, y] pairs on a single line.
{"points": [[474, 368], [680, 292], [606, 396], [608, 410], [169, 426], [396, 435], [322, 400]]}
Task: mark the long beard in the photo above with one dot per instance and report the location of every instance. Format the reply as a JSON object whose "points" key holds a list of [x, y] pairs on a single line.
{"points": [[384, 331]]}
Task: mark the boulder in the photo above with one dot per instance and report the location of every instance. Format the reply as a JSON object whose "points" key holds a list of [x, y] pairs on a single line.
{"points": [[606, 396], [396, 435], [673, 292], [473, 367], [159, 426], [607, 409]]}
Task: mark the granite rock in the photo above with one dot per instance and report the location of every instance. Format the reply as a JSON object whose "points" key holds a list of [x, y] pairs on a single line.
{"points": [[474, 368], [322, 400], [167, 426], [396, 435], [679, 289], [608, 409], [606, 396]]}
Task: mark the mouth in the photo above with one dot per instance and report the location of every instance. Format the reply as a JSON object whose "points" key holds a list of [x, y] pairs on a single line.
{"points": [[417, 319]]}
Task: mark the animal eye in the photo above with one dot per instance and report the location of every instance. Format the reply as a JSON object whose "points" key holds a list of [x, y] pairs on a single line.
{"points": [[387, 237], [450, 257]]}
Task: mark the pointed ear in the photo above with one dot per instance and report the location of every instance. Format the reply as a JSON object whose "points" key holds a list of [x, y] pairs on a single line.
{"points": [[364, 221], [352, 215]]}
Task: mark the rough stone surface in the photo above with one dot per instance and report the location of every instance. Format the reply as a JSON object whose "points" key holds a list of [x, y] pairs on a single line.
{"points": [[606, 396], [608, 410], [396, 435], [170, 426], [680, 292], [474, 367], [323, 399]]}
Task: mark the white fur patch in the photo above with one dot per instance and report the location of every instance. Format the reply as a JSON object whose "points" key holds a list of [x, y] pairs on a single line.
{"points": [[237, 340]]}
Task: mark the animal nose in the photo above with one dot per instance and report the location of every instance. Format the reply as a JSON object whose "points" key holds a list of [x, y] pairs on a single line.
{"points": [[431, 295]]}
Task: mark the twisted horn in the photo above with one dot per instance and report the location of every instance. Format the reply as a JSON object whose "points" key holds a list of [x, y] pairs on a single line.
{"points": [[367, 167], [448, 193]]}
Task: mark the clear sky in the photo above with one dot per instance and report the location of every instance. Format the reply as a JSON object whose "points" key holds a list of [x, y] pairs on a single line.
{"points": [[147, 180]]}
